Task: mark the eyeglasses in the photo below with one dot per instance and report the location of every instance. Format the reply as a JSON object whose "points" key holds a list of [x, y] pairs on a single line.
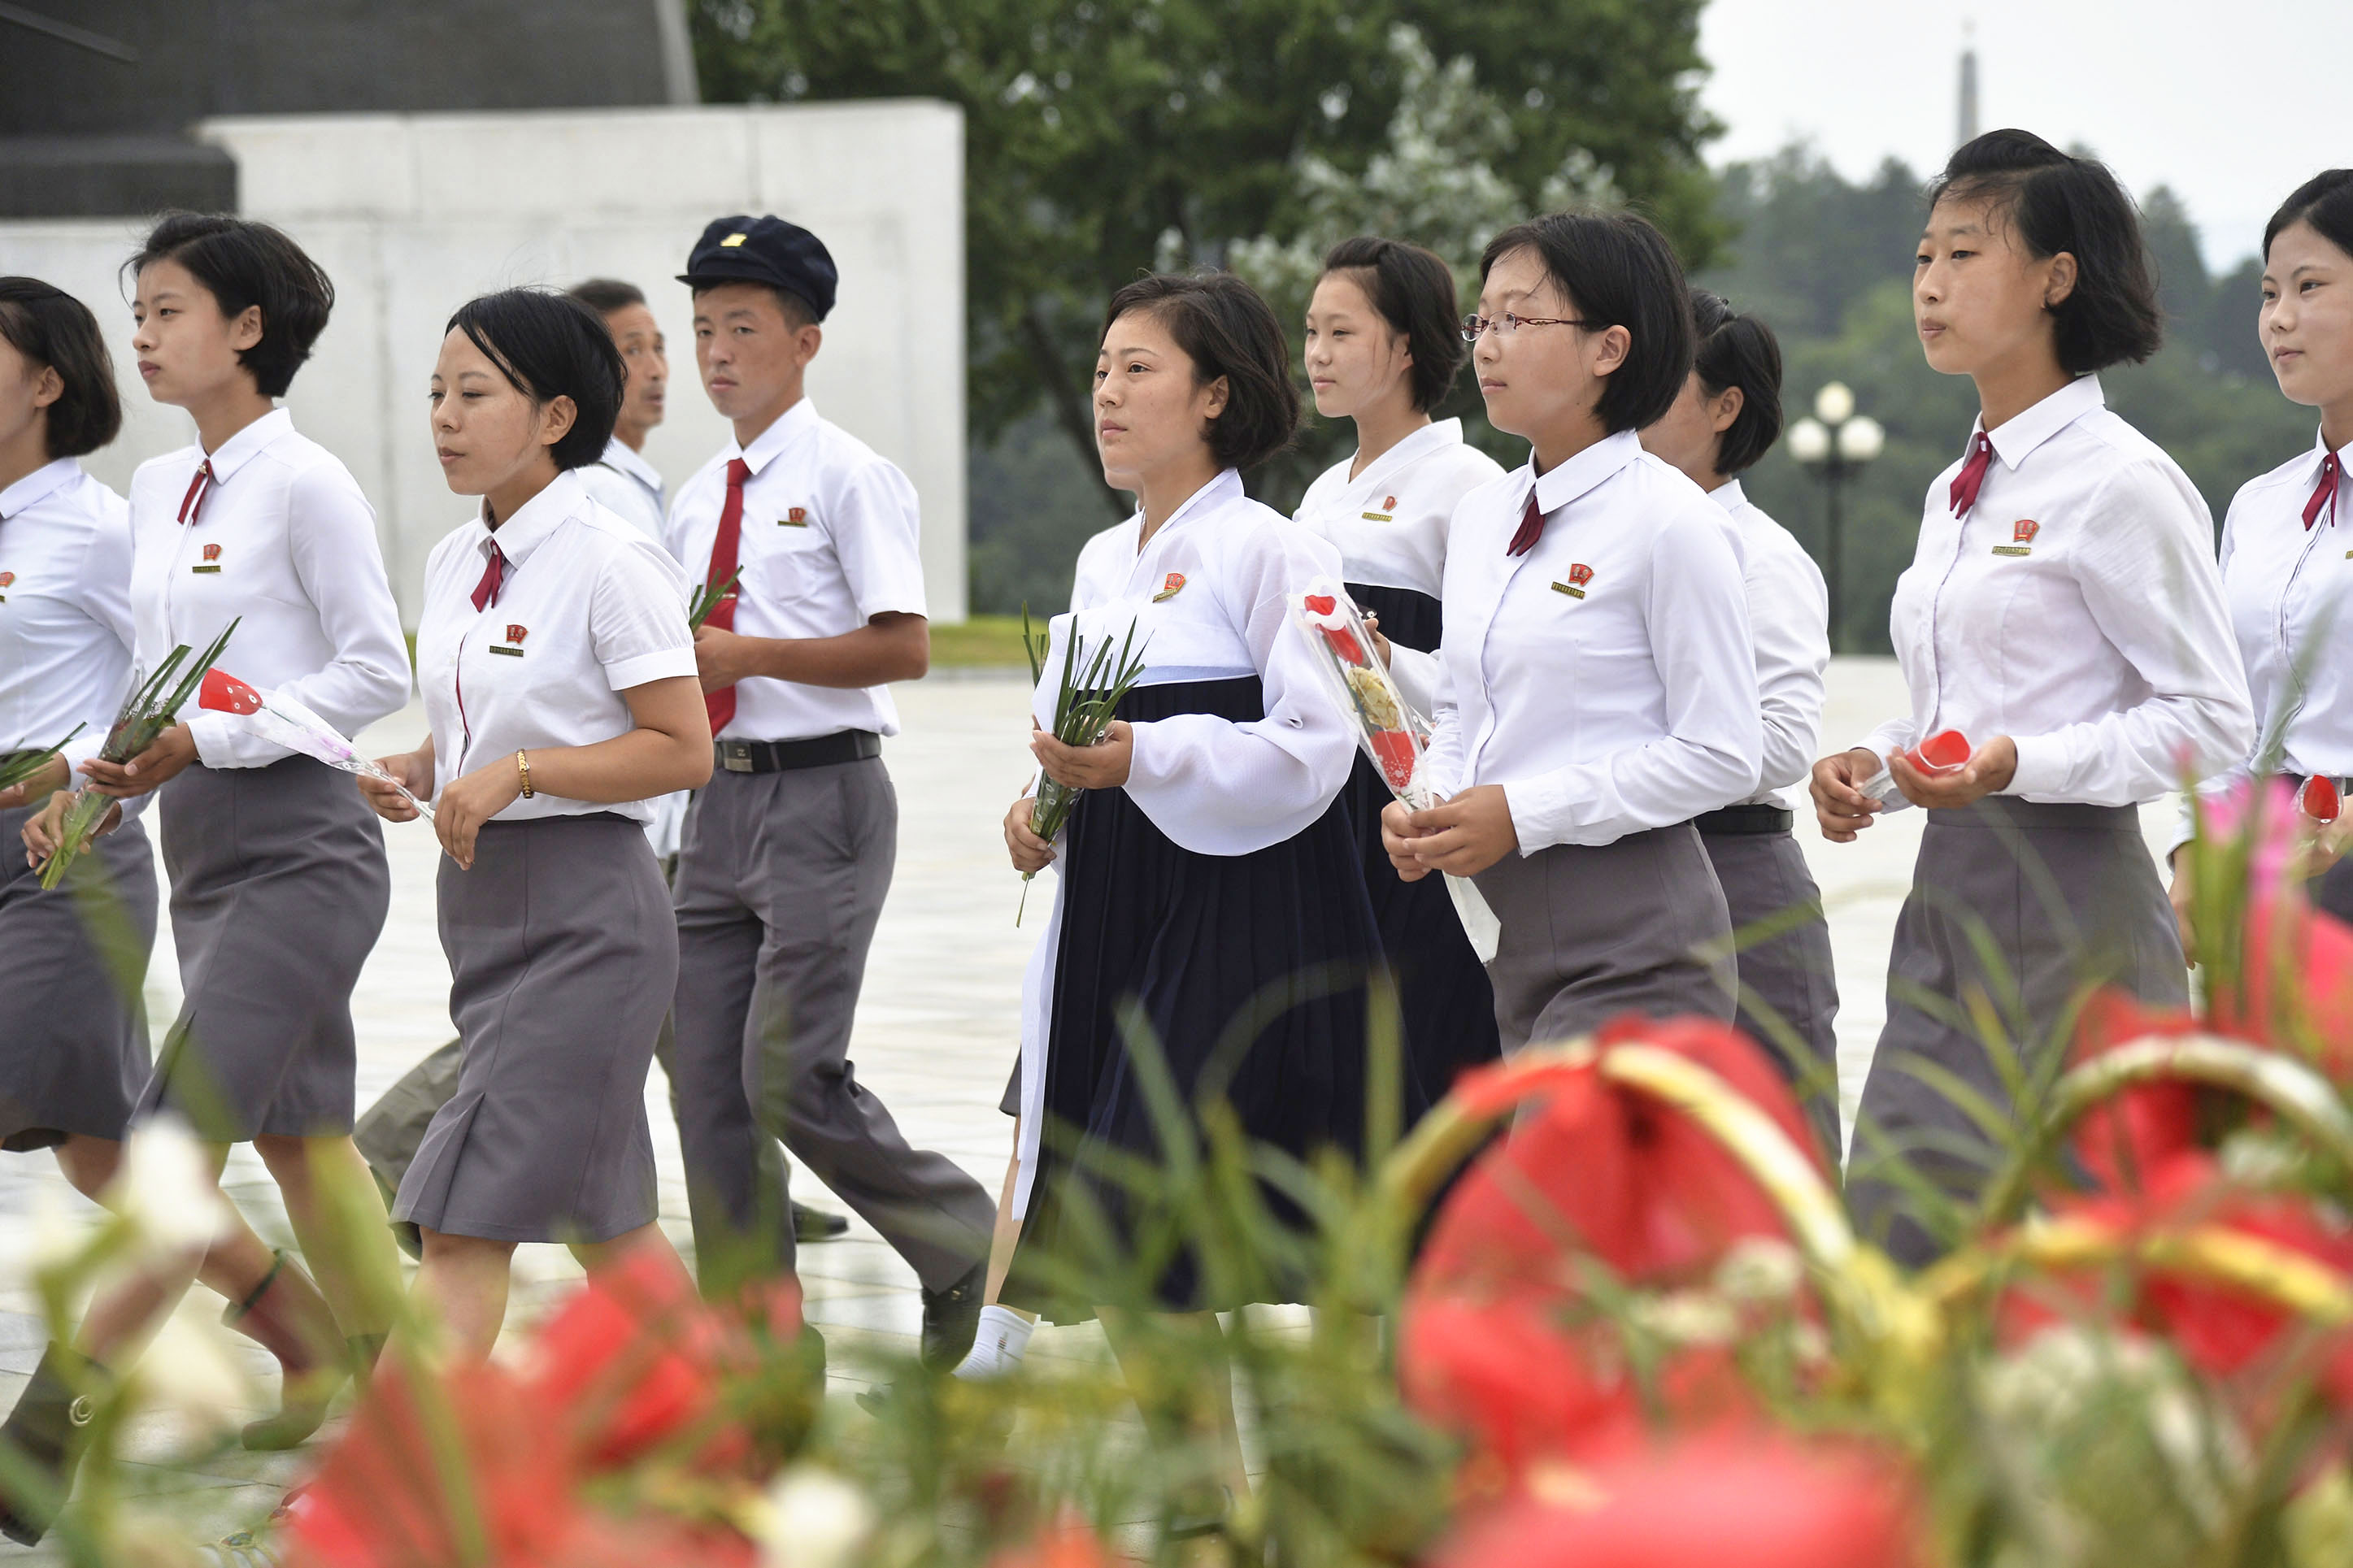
{"points": [[1475, 327]]}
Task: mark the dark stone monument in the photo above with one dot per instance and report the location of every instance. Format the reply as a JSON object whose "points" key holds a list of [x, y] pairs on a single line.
{"points": [[97, 97]]}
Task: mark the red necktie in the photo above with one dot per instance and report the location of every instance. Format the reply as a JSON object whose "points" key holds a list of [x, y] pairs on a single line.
{"points": [[724, 549], [200, 486], [486, 592], [1531, 529], [2330, 472], [1972, 475]]}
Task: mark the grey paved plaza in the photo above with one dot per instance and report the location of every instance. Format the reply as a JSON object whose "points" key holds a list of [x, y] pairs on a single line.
{"points": [[936, 1032]]}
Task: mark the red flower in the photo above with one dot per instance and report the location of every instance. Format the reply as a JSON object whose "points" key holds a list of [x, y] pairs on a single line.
{"points": [[1712, 1503], [423, 1453], [2128, 1135], [634, 1360], [1069, 1543], [225, 693], [1395, 749], [1344, 643], [1495, 1340]]}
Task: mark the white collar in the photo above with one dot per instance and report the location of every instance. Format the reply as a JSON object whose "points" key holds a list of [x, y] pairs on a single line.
{"points": [[619, 456], [1430, 438], [247, 443], [563, 499], [1728, 496], [778, 438], [1560, 486], [38, 486], [1225, 487], [2016, 438]]}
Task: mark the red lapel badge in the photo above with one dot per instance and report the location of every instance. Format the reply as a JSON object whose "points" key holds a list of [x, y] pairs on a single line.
{"points": [[516, 633], [513, 646], [1169, 587], [1578, 576], [211, 560], [2021, 538], [797, 517], [1388, 504], [7, 579]]}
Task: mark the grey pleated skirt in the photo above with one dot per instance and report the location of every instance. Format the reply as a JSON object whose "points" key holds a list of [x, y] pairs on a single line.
{"points": [[73, 1030], [562, 958], [1788, 991], [278, 892], [1591, 932], [2060, 899]]}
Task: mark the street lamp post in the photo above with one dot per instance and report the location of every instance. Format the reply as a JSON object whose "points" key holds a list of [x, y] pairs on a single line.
{"points": [[1836, 442]]}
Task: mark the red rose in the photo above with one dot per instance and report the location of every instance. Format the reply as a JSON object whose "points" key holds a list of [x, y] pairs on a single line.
{"points": [[1344, 643]]}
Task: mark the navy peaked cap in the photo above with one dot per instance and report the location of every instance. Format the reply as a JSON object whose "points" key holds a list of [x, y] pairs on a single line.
{"points": [[764, 249]]}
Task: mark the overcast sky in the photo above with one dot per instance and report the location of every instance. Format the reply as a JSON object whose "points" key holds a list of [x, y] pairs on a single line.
{"points": [[2232, 104]]}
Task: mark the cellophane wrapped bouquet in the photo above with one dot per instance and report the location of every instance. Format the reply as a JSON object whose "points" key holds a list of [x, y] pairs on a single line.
{"points": [[285, 720], [1093, 679], [145, 714], [1386, 727]]}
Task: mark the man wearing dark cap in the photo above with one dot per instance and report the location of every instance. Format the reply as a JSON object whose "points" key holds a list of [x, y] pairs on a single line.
{"points": [[787, 852]]}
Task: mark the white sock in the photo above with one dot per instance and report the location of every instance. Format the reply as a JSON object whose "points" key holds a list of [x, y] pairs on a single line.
{"points": [[996, 1349]]}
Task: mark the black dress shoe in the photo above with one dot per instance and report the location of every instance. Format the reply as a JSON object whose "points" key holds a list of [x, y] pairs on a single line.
{"points": [[816, 1224], [951, 1319], [46, 1432]]}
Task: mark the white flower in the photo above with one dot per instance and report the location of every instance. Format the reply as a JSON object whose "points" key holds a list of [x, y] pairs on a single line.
{"points": [[815, 1520], [1758, 1269], [1688, 1318], [191, 1372], [166, 1188], [58, 1238]]}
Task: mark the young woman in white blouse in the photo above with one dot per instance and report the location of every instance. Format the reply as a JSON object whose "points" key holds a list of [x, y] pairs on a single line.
{"points": [[558, 675], [278, 880], [2065, 616], [1383, 346], [1599, 689], [2287, 541], [1208, 868], [76, 1034], [1726, 418]]}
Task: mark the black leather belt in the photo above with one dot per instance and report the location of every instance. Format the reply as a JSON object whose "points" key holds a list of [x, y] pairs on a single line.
{"points": [[1758, 818], [785, 756]]}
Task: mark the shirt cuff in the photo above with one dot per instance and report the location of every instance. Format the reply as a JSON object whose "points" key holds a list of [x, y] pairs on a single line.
{"points": [[662, 664], [2042, 765], [215, 740], [1534, 809]]}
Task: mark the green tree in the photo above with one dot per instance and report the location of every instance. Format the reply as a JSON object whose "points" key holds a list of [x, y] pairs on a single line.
{"points": [[1106, 137]]}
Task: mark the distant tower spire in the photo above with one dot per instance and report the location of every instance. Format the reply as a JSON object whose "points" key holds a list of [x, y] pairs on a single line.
{"points": [[1967, 123]]}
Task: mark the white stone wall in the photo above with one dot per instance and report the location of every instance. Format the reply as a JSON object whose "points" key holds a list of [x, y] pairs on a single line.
{"points": [[412, 214]]}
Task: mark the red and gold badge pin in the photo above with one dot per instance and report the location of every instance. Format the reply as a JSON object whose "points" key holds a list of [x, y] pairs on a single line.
{"points": [[1170, 587], [2021, 538], [1579, 575], [7, 581], [513, 646], [794, 517], [211, 561]]}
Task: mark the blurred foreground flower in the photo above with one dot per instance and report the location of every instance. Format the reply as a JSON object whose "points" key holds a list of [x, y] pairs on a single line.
{"points": [[815, 1520], [1766, 1502], [166, 1190]]}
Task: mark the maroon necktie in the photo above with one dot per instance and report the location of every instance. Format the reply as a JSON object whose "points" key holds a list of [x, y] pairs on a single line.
{"points": [[1531, 528], [486, 592], [200, 486], [726, 546], [1972, 475], [2330, 472]]}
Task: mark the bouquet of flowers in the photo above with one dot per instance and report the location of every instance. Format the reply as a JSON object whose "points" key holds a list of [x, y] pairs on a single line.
{"points": [[1387, 728], [1088, 697], [708, 598], [18, 766], [277, 717], [146, 715]]}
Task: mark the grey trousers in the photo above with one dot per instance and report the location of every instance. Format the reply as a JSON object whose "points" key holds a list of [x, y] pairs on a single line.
{"points": [[781, 878], [1590, 931], [2020, 908], [1788, 991]]}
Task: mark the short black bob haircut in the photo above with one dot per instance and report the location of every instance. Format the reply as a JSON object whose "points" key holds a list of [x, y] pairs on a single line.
{"points": [[1736, 350], [1227, 330], [2057, 202], [550, 345], [1616, 269], [50, 327], [607, 295], [243, 264], [2323, 200], [1413, 291]]}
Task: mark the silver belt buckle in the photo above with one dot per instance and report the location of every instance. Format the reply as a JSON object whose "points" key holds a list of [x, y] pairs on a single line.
{"points": [[736, 756]]}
